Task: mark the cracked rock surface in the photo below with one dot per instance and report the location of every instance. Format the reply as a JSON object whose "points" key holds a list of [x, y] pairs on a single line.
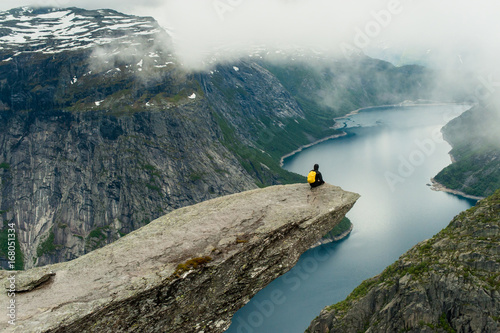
{"points": [[187, 271]]}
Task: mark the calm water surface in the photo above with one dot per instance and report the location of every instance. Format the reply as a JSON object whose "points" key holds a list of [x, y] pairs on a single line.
{"points": [[388, 156]]}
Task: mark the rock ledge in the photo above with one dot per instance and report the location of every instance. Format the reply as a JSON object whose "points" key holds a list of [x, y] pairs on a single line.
{"points": [[188, 271]]}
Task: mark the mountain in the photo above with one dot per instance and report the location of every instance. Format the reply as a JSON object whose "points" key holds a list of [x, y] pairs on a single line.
{"points": [[102, 132], [449, 283], [475, 139], [332, 86], [188, 271], [102, 129]]}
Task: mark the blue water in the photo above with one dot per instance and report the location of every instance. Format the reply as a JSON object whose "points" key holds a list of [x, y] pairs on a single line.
{"points": [[388, 156]]}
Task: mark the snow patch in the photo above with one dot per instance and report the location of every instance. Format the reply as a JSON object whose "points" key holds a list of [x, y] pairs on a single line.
{"points": [[61, 30], [54, 15]]}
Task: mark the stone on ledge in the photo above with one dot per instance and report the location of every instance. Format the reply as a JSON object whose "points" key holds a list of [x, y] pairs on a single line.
{"points": [[188, 271]]}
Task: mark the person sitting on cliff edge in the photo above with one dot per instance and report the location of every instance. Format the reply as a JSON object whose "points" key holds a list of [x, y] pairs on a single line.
{"points": [[314, 178]]}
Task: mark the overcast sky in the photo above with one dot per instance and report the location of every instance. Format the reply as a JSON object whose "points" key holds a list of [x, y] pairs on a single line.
{"points": [[452, 31]]}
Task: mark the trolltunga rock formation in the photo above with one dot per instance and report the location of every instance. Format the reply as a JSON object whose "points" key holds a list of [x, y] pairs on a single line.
{"points": [[188, 271]]}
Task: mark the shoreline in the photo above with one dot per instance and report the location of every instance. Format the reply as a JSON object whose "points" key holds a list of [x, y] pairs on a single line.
{"points": [[335, 136], [298, 150], [323, 241], [400, 105], [440, 187], [436, 186]]}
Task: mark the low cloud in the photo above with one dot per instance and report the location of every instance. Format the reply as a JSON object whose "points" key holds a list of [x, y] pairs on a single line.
{"points": [[441, 33], [458, 37], [444, 33], [452, 35]]}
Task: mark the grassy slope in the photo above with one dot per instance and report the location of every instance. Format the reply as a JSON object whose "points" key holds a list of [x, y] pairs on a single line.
{"points": [[472, 231], [324, 91], [476, 150]]}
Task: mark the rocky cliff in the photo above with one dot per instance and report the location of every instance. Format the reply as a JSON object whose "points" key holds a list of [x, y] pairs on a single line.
{"points": [[475, 139], [449, 283], [187, 271], [102, 129]]}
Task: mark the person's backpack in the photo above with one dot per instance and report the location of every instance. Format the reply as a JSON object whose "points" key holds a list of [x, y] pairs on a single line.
{"points": [[311, 177]]}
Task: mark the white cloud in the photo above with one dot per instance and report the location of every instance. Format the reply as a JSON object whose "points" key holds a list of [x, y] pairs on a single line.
{"points": [[453, 30]]}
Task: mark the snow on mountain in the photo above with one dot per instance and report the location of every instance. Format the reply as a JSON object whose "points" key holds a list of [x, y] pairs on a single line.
{"points": [[51, 30]]}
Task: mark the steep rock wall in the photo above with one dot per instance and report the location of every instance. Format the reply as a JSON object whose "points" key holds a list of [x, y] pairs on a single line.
{"points": [[90, 178], [101, 137]]}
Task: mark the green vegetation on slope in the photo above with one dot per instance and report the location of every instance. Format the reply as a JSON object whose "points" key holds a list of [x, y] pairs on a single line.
{"points": [[257, 163], [260, 125], [327, 89], [47, 246], [339, 229], [96, 238], [434, 276], [476, 149], [5, 248]]}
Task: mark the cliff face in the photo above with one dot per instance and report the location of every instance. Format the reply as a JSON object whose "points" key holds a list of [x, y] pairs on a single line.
{"points": [[449, 283], [475, 139], [102, 130], [78, 181], [188, 271]]}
